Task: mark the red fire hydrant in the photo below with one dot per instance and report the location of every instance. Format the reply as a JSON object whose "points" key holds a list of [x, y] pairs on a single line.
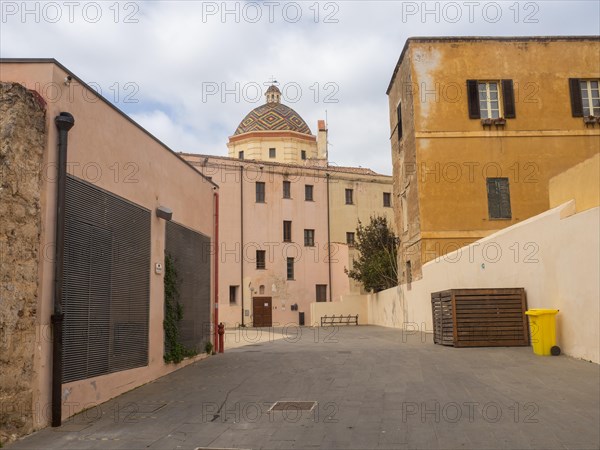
{"points": [[221, 331]]}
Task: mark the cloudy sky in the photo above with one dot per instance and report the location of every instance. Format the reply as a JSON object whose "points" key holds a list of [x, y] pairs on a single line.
{"points": [[189, 71]]}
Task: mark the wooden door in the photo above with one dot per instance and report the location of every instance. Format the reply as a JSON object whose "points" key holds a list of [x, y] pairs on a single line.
{"points": [[262, 311]]}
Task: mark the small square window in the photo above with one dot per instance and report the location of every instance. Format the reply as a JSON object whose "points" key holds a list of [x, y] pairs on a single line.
{"points": [[349, 196], [308, 192], [287, 189], [290, 268], [387, 199], [240, 155], [303, 154], [309, 238], [261, 260], [272, 153]]}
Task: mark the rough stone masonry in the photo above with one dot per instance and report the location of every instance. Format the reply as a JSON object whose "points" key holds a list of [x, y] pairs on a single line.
{"points": [[22, 143]]}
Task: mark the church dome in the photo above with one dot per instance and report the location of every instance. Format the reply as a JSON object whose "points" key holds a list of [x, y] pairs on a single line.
{"points": [[273, 116]]}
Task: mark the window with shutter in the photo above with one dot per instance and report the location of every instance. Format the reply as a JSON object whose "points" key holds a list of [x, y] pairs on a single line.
{"points": [[261, 259], [498, 194], [350, 238], [287, 189], [349, 196], [309, 238], [287, 231], [387, 199], [260, 192], [308, 192], [484, 99]]}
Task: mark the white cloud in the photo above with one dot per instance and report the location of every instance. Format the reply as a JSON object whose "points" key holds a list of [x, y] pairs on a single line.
{"points": [[178, 50]]}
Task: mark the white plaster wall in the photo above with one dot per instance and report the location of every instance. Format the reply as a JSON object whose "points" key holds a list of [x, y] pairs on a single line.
{"points": [[555, 256]]}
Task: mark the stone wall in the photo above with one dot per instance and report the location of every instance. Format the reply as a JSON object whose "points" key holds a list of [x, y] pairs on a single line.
{"points": [[22, 141]]}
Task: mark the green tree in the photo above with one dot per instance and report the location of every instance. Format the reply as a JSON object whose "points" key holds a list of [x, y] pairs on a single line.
{"points": [[377, 266]]}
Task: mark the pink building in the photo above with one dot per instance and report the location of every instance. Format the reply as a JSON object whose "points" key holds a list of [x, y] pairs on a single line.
{"points": [[287, 219], [90, 204]]}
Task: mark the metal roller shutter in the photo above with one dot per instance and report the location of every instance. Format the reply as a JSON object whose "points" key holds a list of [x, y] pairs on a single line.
{"points": [[106, 283], [191, 257]]}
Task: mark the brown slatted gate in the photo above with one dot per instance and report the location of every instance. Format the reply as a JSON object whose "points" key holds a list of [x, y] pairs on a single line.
{"points": [[480, 317]]}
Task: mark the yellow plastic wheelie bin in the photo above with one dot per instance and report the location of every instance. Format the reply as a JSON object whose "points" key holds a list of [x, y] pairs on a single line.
{"points": [[542, 325]]}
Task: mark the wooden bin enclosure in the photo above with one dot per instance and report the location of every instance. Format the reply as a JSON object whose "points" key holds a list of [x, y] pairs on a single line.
{"points": [[480, 317]]}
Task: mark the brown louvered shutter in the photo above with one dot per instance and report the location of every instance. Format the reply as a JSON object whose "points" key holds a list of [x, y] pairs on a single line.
{"points": [[473, 99], [576, 103], [508, 99], [498, 198], [504, 191]]}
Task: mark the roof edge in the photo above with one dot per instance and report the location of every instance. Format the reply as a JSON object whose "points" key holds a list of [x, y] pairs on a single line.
{"points": [[290, 165], [85, 85], [482, 38]]}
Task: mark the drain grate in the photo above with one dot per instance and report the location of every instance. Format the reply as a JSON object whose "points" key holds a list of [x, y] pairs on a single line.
{"points": [[293, 406]]}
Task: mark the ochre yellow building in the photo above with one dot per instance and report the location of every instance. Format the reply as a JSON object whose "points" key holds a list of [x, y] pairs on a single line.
{"points": [[478, 128]]}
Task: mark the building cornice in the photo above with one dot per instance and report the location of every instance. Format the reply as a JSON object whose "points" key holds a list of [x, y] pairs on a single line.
{"points": [[452, 39], [272, 134]]}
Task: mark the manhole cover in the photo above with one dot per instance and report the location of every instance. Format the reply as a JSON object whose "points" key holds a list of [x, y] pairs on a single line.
{"points": [[293, 406]]}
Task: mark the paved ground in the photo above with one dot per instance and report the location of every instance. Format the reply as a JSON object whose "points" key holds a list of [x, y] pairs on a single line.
{"points": [[374, 388]]}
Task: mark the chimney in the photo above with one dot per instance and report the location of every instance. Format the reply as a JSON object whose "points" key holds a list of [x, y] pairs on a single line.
{"points": [[322, 140]]}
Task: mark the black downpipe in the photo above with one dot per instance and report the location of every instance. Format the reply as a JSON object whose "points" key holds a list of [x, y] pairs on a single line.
{"points": [[64, 122], [242, 243], [329, 242]]}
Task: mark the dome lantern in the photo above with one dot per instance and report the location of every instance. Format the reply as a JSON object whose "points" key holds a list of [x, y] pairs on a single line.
{"points": [[273, 94]]}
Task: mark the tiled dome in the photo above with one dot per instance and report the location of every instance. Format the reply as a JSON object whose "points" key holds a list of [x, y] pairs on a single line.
{"points": [[273, 116]]}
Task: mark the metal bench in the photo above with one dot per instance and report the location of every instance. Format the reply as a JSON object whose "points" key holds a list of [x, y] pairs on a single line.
{"points": [[339, 320]]}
